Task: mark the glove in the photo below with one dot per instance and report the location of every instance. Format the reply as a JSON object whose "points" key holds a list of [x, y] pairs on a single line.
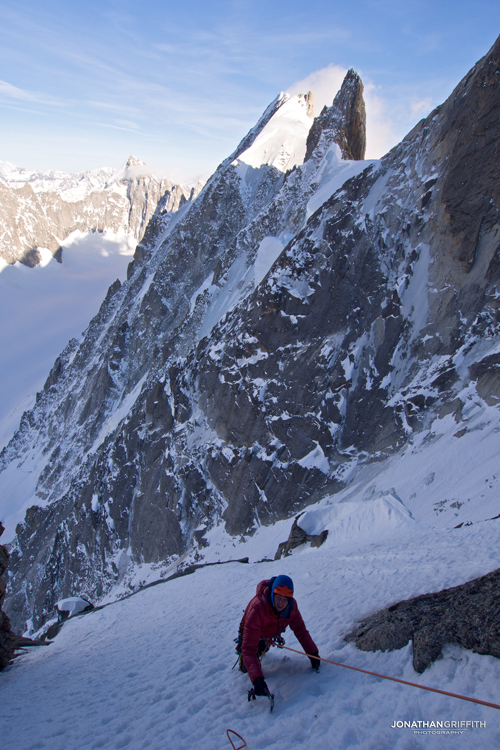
{"points": [[315, 662], [260, 687]]}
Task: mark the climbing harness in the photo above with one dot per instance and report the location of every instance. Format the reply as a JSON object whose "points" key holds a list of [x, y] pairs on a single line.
{"points": [[395, 679], [262, 649]]}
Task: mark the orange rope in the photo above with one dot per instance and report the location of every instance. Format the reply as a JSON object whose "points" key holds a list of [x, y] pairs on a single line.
{"points": [[394, 679]]}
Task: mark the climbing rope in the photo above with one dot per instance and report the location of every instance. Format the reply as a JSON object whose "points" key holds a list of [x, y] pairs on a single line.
{"points": [[395, 679], [374, 674]]}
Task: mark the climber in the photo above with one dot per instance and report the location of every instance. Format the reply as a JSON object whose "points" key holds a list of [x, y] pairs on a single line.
{"points": [[266, 617]]}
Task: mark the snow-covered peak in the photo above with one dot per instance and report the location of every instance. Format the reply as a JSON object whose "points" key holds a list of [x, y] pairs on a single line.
{"points": [[133, 161], [282, 141], [76, 186], [132, 168]]}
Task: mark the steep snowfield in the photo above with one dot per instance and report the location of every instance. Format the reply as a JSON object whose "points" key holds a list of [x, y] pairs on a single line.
{"points": [[282, 143], [154, 670], [42, 308]]}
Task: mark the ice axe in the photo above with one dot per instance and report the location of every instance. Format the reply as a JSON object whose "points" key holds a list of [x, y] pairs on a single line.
{"points": [[252, 696]]}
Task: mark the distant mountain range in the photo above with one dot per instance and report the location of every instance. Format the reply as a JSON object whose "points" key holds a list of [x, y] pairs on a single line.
{"points": [[39, 210], [93, 219]]}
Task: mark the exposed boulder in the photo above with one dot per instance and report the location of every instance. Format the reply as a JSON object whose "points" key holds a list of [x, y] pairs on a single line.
{"points": [[297, 537], [7, 641], [7, 637], [468, 615], [73, 605]]}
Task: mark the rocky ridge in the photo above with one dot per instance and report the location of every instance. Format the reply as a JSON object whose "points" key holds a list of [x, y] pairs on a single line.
{"points": [[297, 321]]}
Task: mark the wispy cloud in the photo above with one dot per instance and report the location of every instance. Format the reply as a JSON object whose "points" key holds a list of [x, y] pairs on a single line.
{"points": [[130, 127], [8, 91], [323, 83], [421, 107]]}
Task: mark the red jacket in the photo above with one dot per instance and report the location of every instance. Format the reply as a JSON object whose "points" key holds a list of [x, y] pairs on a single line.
{"points": [[261, 621]]}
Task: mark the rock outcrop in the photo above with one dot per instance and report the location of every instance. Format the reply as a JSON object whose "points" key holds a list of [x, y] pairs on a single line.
{"points": [[6, 635], [468, 615], [72, 606]]}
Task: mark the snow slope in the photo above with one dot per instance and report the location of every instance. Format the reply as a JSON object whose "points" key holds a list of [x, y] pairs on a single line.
{"points": [[42, 308], [154, 670]]}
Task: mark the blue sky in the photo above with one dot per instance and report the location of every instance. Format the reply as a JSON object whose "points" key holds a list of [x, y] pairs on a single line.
{"points": [[85, 84]]}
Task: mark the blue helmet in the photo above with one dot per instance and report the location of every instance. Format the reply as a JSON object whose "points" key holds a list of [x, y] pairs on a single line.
{"points": [[282, 585]]}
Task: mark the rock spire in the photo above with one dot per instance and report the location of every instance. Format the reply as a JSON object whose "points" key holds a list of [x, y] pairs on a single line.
{"points": [[343, 123]]}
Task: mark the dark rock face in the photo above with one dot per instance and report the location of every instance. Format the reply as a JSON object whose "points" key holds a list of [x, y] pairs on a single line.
{"points": [[344, 121], [486, 373], [468, 615], [473, 162], [173, 414], [8, 641]]}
